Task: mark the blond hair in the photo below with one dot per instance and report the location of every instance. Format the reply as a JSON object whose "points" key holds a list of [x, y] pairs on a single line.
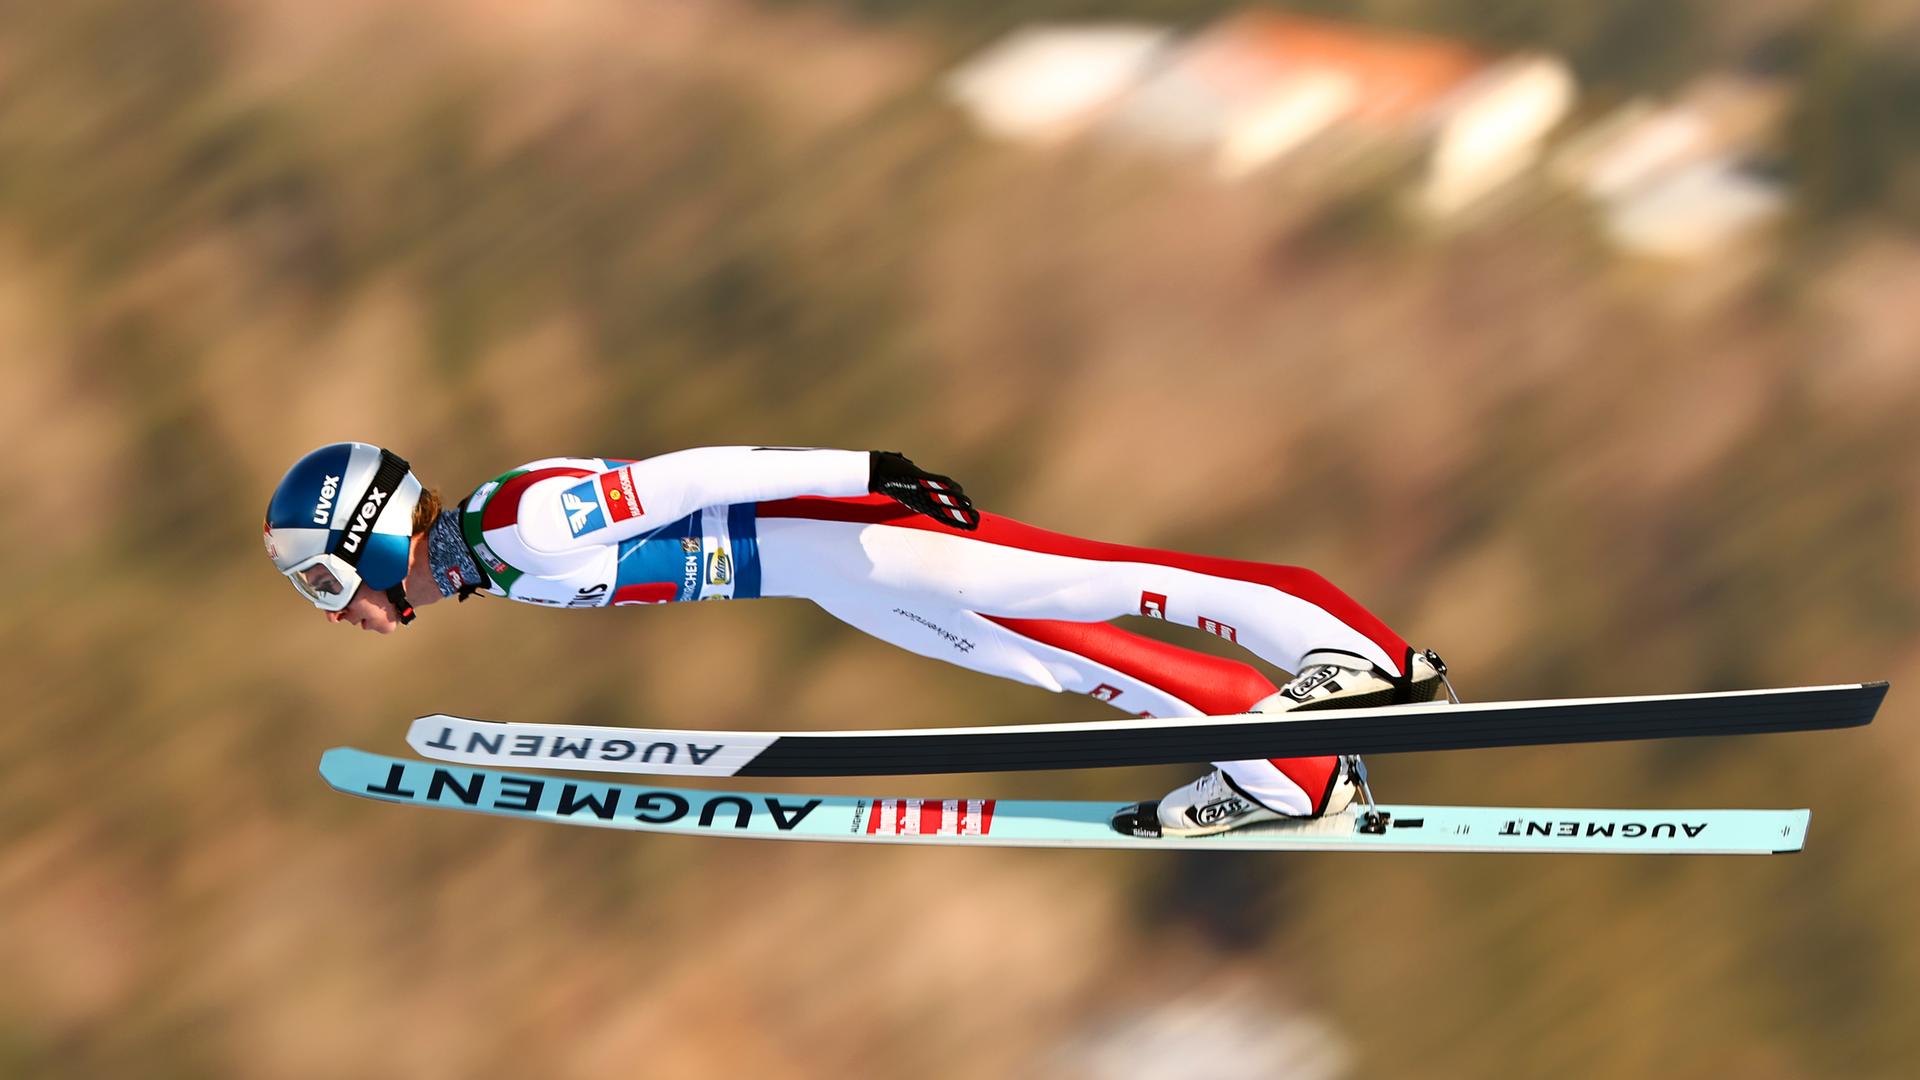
{"points": [[426, 511]]}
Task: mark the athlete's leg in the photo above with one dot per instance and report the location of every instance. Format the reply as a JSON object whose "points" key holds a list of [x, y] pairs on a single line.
{"points": [[1189, 683], [1011, 570], [862, 574], [1210, 685], [1130, 672], [998, 648]]}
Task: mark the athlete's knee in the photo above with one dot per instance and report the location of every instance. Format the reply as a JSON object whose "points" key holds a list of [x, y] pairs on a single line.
{"points": [[1300, 582]]}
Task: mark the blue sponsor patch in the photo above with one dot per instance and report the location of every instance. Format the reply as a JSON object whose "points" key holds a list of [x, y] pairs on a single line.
{"points": [[667, 558], [581, 504]]}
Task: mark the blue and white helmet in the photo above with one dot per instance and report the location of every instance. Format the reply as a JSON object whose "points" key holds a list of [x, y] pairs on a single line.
{"points": [[341, 516]]}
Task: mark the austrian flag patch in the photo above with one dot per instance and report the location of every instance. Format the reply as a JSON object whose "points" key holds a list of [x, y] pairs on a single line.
{"points": [[619, 498]]}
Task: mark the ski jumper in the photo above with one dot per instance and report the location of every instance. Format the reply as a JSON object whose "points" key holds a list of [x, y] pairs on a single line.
{"points": [[1006, 599]]}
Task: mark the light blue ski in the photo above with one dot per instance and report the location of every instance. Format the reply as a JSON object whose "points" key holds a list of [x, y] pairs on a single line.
{"points": [[1018, 823]]}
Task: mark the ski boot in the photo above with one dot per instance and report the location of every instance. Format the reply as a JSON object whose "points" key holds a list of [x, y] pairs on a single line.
{"points": [[1327, 680], [1330, 679]]}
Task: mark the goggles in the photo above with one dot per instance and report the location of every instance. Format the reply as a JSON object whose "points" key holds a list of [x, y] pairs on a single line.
{"points": [[326, 580]]}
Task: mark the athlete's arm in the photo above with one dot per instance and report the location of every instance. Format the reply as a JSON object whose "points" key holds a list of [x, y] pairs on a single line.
{"points": [[673, 485], [637, 498], [640, 497]]}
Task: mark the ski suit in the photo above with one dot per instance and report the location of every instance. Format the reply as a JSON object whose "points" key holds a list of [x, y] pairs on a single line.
{"points": [[1006, 599]]}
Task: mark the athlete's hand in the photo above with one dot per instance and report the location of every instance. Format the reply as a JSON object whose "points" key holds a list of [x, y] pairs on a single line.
{"points": [[936, 496]]}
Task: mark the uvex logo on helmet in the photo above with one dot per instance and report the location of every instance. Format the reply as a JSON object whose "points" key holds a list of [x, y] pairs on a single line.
{"points": [[363, 521], [329, 487]]}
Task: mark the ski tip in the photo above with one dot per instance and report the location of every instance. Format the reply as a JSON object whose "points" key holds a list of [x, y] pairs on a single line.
{"points": [[332, 760], [1793, 835], [437, 729], [443, 719], [1875, 693]]}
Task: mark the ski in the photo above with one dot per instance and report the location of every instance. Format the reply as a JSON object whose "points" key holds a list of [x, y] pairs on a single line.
{"points": [[961, 822], [1390, 730]]}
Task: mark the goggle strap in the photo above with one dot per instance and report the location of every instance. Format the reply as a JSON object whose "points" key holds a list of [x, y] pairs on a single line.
{"points": [[393, 469]]}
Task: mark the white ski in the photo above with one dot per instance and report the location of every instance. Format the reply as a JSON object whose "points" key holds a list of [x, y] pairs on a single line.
{"points": [[1163, 741], [965, 822]]}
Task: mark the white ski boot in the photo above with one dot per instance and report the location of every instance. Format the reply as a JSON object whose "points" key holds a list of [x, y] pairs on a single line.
{"points": [[1208, 805], [1212, 804], [1341, 680], [1327, 680]]}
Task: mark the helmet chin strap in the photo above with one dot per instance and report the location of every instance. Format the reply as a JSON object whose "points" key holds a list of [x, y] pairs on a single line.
{"points": [[401, 604]]}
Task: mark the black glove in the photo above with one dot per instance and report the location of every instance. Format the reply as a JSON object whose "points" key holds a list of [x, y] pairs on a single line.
{"points": [[936, 496]]}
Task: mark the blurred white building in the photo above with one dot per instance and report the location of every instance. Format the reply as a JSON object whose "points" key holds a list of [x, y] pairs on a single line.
{"points": [[1046, 84], [1260, 87], [1257, 87], [1493, 130], [1228, 1026], [1696, 211], [1715, 117], [1671, 179]]}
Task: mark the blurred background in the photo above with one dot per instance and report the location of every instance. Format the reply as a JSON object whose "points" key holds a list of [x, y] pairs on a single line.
{"points": [[1577, 340]]}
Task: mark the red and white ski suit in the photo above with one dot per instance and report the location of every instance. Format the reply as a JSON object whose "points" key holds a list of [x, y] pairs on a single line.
{"points": [[1008, 599]]}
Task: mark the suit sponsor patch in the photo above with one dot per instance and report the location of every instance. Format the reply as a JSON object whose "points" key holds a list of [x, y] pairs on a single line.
{"points": [[646, 592], [1219, 629], [493, 562], [581, 502], [616, 488]]}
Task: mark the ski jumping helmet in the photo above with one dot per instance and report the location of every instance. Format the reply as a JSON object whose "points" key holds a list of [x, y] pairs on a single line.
{"points": [[341, 516]]}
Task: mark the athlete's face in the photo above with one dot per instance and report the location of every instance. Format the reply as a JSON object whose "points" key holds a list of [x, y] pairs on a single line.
{"points": [[369, 610]]}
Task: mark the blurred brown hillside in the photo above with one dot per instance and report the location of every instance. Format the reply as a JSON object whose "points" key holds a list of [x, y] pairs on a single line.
{"points": [[486, 233]]}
